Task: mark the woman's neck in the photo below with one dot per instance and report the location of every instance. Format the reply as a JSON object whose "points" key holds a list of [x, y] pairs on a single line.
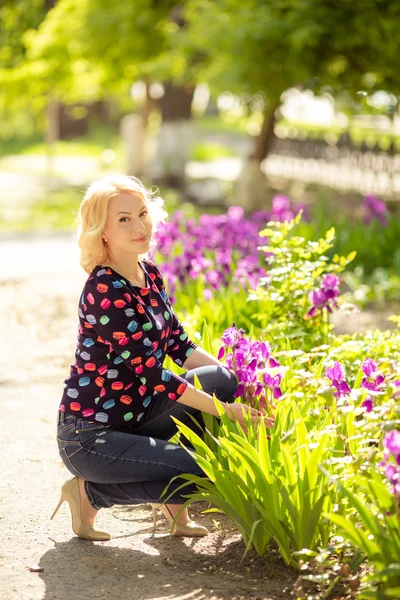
{"points": [[128, 267]]}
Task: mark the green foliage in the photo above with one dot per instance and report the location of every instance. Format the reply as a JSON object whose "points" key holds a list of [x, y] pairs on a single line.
{"points": [[376, 246], [112, 45], [378, 537], [80, 50], [270, 486], [316, 43], [208, 151], [380, 287], [321, 453], [283, 296]]}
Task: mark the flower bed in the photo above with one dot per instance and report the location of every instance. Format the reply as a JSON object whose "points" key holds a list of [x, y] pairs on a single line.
{"points": [[330, 466]]}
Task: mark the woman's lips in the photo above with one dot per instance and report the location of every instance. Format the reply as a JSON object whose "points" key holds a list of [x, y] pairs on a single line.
{"points": [[143, 239]]}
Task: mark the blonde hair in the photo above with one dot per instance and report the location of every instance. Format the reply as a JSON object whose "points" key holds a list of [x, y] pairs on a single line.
{"points": [[92, 216]]}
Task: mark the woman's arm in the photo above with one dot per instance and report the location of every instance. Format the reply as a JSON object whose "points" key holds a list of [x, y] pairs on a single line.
{"points": [[204, 402], [201, 358]]}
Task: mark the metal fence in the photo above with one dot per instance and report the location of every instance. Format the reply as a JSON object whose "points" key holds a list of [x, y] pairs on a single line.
{"points": [[342, 165]]}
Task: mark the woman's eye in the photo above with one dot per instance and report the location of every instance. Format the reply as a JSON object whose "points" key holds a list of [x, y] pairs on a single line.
{"points": [[144, 213], [122, 219]]}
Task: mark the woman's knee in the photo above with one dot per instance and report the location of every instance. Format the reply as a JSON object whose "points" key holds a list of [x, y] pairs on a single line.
{"points": [[216, 380], [229, 385]]}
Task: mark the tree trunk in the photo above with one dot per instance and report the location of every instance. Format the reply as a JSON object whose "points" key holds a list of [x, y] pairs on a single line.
{"points": [[175, 134], [251, 190], [176, 104], [262, 142], [149, 105], [52, 132]]}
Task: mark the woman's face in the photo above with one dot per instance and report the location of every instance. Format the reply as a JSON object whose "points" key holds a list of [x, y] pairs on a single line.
{"points": [[129, 226]]}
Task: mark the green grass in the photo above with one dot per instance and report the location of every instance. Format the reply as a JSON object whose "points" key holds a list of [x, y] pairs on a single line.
{"points": [[56, 211], [205, 152], [223, 124], [98, 140]]}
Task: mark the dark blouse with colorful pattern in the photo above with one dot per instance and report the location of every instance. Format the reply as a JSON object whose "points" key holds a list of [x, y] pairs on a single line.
{"points": [[124, 335]]}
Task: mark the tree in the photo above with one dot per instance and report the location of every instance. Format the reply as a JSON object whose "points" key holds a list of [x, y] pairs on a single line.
{"points": [[88, 49], [268, 46]]}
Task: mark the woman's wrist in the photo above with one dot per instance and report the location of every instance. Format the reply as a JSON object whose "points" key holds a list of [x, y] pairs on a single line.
{"points": [[200, 400]]}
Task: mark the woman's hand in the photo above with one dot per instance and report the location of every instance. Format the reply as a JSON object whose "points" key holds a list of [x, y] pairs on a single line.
{"points": [[262, 403], [235, 412]]}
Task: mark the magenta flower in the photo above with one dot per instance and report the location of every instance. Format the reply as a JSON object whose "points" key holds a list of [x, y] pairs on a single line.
{"points": [[369, 367], [336, 372], [391, 444], [273, 382], [337, 375], [273, 363], [231, 336], [325, 296], [368, 404], [280, 203], [248, 360], [375, 209], [330, 285], [373, 380], [261, 350], [236, 212], [222, 250]]}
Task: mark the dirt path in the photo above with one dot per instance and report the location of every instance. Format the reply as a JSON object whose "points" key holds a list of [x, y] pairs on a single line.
{"points": [[38, 325]]}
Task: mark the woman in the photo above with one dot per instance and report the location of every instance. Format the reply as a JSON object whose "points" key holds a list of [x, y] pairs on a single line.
{"points": [[114, 419]]}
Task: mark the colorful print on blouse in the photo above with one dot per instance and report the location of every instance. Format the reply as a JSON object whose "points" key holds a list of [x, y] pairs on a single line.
{"points": [[124, 335]]}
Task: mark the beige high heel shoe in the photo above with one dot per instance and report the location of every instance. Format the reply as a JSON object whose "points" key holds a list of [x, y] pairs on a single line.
{"points": [[189, 529], [70, 493]]}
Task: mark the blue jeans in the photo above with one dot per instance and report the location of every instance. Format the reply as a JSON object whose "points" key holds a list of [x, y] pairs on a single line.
{"points": [[134, 465]]}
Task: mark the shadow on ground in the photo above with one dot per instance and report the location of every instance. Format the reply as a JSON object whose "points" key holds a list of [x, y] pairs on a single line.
{"points": [[159, 566]]}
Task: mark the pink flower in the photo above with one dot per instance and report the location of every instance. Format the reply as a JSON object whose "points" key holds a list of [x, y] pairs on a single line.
{"points": [[368, 404], [369, 367]]}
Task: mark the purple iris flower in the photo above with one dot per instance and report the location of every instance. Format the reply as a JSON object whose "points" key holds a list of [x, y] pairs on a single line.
{"points": [[369, 367], [273, 363], [248, 360], [330, 285], [375, 209], [280, 203], [337, 375], [273, 382], [391, 444], [373, 380], [325, 296], [261, 350], [330, 281], [231, 336], [219, 249], [368, 404], [336, 372]]}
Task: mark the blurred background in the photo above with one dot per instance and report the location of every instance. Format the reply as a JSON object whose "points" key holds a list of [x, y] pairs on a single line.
{"points": [[266, 105]]}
